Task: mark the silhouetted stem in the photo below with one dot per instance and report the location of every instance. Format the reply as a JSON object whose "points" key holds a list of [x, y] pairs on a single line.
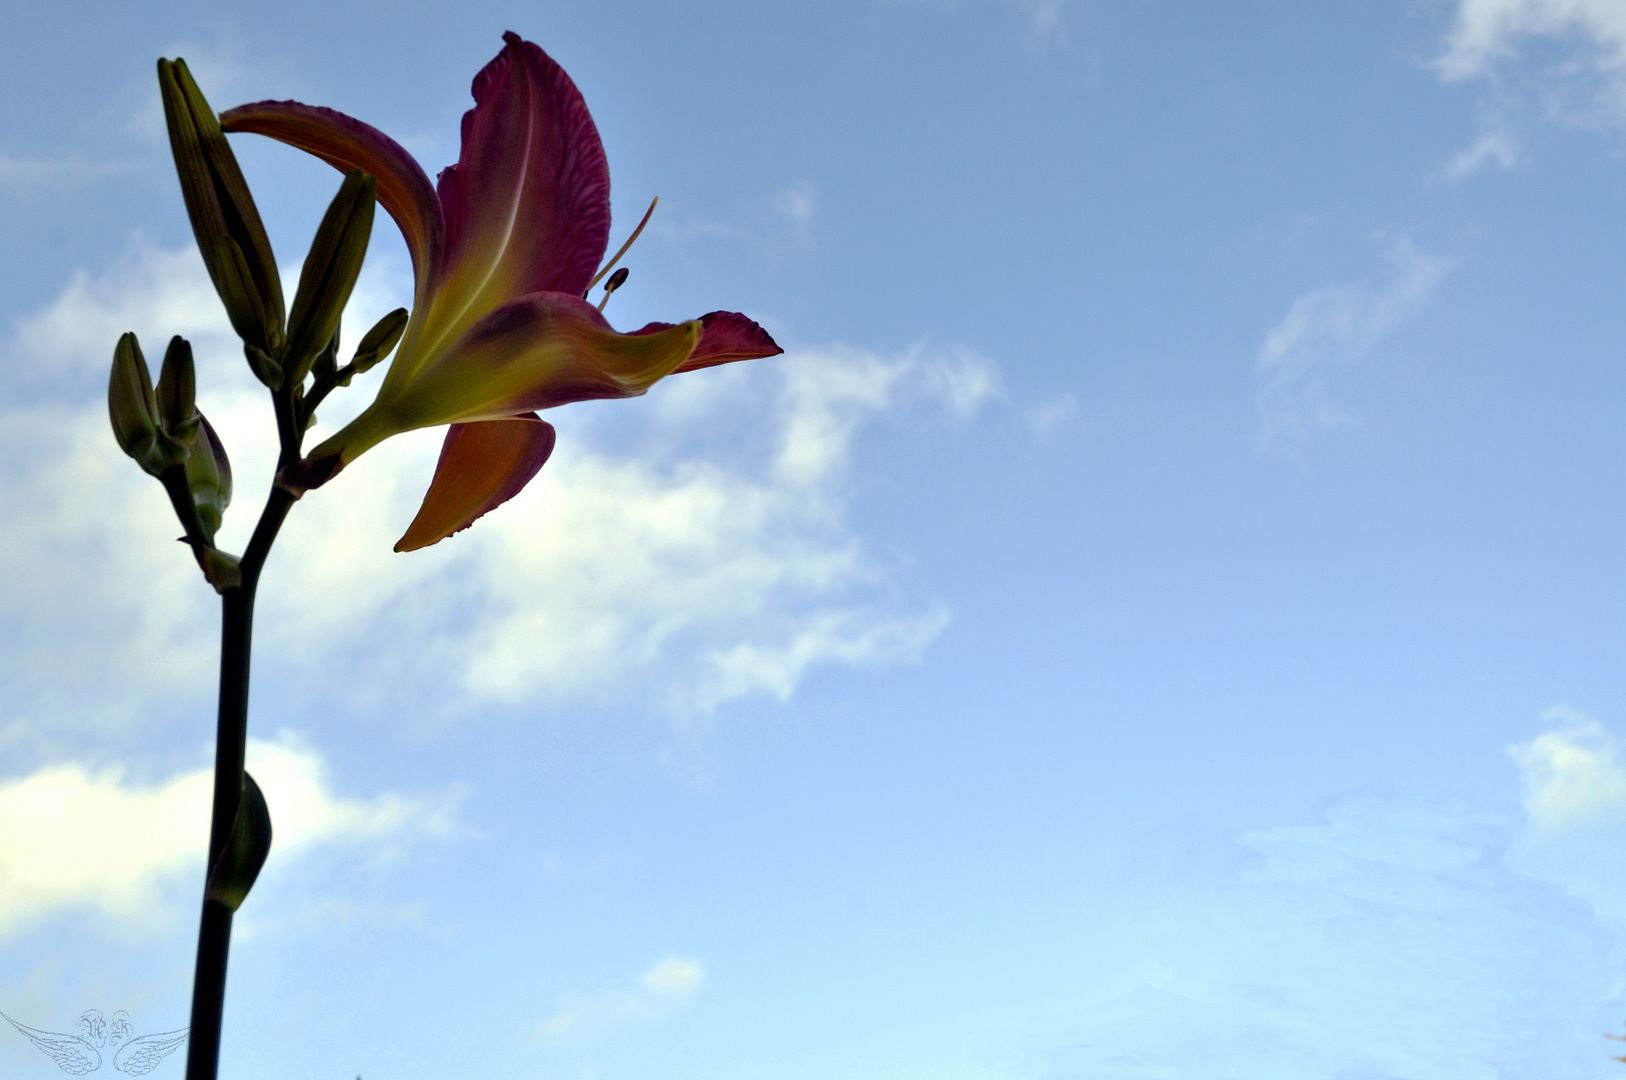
{"points": [[231, 736]]}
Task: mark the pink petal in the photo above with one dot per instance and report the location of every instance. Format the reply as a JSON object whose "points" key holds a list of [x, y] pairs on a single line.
{"points": [[726, 336], [527, 205], [481, 467], [347, 143]]}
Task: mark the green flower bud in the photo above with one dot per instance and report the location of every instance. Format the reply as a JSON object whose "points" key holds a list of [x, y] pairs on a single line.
{"points": [[130, 401], [177, 393], [378, 342], [330, 270], [222, 211], [208, 477], [132, 406], [237, 293]]}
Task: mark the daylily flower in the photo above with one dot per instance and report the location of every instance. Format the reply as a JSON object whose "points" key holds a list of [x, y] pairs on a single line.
{"points": [[503, 249]]}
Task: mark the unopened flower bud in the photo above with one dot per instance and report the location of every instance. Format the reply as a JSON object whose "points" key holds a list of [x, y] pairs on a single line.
{"points": [[130, 402], [330, 270], [378, 342], [177, 393], [132, 406], [208, 477], [230, 236]]}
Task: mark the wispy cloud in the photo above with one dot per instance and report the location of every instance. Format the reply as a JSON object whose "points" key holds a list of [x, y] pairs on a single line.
{"points": [[1495, 147], [1047, 417], [676, 570], [1044, 16], [73, 837], [28, 173], [798, 202], [1579, 79], [781, 223], [1327, 330], [1486, 33], [1387, 938], [666, 987]]}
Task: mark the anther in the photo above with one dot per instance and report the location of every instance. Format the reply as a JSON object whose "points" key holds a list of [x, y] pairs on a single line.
{"points": [[617, 279]]}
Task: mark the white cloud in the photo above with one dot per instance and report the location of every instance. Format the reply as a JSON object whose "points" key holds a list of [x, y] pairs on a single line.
{"points": [[854, 638], [1585, 84], [1487, 32], [1574, 786], [958, 378], [74, 837], [743, 574], [673, 572], [306, 813], [151, 291], [1572, 773], [1327, 330], [651, 997]]}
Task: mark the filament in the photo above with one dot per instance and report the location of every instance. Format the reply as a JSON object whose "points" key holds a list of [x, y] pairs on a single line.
{"points": [[611, 264]]}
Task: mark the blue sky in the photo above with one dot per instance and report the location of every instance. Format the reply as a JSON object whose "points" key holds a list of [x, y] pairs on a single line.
{"points": [[1162, 617]]}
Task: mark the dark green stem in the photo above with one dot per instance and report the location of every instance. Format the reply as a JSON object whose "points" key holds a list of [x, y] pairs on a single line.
{"points": [[290, 430], [231, 737], [180, 497]]}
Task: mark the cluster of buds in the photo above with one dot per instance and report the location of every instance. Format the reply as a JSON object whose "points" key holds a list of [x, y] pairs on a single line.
{"points": [[161, 429], [293, 352]]}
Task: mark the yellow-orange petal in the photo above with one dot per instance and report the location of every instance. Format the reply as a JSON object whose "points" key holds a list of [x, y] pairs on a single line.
{"points": [[539, 351], [481, 467]]}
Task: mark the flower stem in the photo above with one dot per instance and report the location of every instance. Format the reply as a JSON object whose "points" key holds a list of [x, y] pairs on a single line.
{"points": [[231, 737]]}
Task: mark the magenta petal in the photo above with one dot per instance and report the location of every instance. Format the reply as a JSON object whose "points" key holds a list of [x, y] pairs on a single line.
{"points": [[346, 143], [481, 467], [528, 202], [726, 336]]}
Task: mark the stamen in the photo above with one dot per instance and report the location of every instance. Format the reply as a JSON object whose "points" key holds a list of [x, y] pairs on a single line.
{"points": [[611, 264], [617, 279]]}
